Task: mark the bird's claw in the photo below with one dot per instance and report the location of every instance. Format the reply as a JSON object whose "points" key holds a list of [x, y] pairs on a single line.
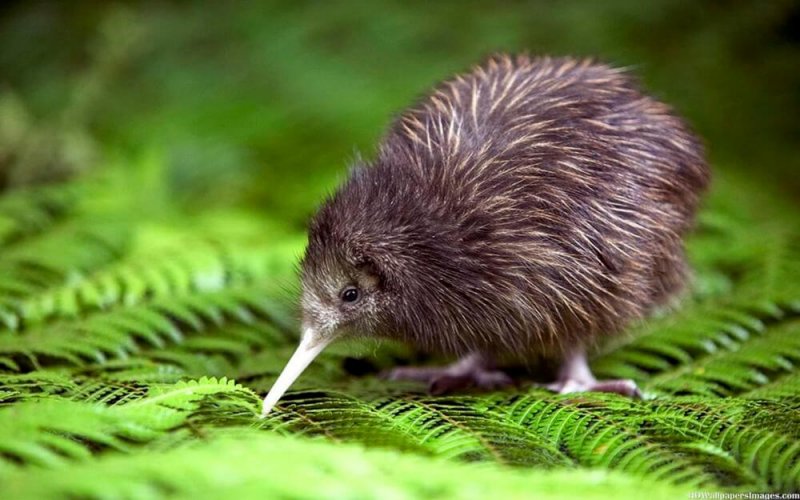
{"points": [[625, 387], [456, 377]]}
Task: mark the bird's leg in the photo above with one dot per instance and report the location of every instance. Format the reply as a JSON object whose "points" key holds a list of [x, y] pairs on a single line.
{"points": [[472, 371], [574, 375]]}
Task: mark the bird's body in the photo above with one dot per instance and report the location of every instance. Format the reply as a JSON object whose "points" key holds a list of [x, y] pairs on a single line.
{"points": [[527, 208]]}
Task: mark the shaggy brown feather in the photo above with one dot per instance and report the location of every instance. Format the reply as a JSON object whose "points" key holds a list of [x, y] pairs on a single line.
{"points": [[522, 208]]}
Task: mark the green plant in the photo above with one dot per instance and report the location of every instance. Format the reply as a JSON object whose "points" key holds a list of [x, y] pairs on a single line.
{"points": [[122, 335]]}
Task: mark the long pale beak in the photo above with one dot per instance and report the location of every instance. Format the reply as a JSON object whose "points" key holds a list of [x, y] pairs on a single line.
{"points": [[310, 346]]}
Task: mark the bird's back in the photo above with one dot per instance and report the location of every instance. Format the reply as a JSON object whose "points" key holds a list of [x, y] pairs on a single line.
{"points": [[571, 188]]}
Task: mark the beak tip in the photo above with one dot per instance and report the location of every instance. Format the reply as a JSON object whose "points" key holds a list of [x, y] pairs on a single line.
{"points": [[308, 349], [265, 410]]}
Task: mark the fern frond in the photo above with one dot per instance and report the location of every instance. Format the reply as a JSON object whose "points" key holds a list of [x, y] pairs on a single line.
{"points": [[121, 332], [726, 373], [61, 256], [195, 266], [51, 432], [31, 211], [439, 427], [730, 430], [688, 337], [269, 466], [22, 387]]}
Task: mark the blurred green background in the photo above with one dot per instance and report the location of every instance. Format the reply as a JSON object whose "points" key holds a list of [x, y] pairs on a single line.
{"points": [[264, 104]]}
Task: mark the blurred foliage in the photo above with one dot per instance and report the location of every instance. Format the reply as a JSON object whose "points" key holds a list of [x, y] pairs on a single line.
{"points": [[157, 164], [249, 100]]}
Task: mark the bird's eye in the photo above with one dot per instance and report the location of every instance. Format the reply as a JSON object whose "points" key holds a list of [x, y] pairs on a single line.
{"points": [[350, 294]]}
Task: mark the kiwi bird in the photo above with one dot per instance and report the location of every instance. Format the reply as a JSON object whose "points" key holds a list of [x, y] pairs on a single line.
{"points": [[529, 208]]}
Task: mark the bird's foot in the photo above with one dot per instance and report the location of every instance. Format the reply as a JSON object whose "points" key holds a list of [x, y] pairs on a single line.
{"points": [[625, 387], [470, 372], [575, 376]]}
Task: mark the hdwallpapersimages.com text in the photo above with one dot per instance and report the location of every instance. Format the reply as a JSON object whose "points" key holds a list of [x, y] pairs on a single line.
{"points": [[742, 495]]}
